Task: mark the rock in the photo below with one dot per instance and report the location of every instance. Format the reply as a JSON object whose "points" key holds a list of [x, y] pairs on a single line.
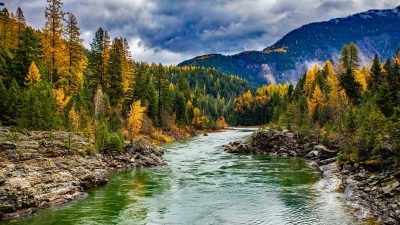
{"points": [[324, 152], [205, 134], [327, 161], [391, 187], [267, 141], [312, 154], [7, 145]]}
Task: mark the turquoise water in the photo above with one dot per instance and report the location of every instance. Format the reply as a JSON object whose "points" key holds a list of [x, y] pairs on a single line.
{"points": [[204, 185]]}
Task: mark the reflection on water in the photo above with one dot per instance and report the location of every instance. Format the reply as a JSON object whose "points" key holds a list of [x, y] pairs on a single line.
{"points": [[203, 185]]}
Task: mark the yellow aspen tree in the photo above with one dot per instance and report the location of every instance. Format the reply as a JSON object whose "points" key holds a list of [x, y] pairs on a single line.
{"points": [[334, 89], [317, 102], [367, 74], [134, 120], [310, 78], [73, 118], [221, 123], [361, 79], [33, 78], [196, 117], [247, 99], [61, 99]]}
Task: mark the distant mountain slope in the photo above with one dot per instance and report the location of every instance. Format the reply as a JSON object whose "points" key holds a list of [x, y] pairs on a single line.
{"points": [[374, 31]]}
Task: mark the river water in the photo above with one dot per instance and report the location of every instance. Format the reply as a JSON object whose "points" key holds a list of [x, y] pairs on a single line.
{"points": [[204, 185]]}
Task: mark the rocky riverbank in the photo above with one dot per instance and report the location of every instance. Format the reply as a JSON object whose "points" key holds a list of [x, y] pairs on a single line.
{"points": [[371, 195], [41, 169]]}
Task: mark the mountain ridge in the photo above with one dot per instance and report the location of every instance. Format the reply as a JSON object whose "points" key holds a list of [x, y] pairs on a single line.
{"points": [[374, 31]]}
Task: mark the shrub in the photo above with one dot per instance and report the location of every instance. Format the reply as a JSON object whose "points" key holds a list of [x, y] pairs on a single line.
{"points": [[115, 143]]}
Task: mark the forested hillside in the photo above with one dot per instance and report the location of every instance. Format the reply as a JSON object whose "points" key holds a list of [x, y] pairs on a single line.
{"points": [[49, 81], [374, 31], [352, 108]]}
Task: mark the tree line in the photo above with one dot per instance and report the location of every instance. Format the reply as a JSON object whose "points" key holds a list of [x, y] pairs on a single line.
{"points": [[50, 81]]}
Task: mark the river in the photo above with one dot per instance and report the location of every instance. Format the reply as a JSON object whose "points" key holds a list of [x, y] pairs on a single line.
{"points": [[204, 185]]}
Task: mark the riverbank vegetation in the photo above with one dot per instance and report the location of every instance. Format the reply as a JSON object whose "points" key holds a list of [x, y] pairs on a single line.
{"points": [[50, 81], [341, 104]]}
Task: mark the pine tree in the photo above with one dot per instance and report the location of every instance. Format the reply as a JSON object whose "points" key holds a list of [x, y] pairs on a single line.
{"points": [[115, 91], [351, 86], [184, 87], [99, 58], [3, 101], [13, 105], [161, 85], [349, 57], [344, 58], [180, 109], [376, 75], [38, 109], [393, 80], [354, 59], [152, 101], [28, 50], [140, 85], [384, 99], [21, 23], [96, 62], [33, 77]]}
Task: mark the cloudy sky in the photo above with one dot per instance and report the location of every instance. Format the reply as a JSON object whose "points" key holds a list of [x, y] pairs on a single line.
{"points": [[170, 31]]}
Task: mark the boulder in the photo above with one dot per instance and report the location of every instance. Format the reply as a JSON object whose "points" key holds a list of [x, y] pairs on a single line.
{"points": [[313, 154], [324, 152]]}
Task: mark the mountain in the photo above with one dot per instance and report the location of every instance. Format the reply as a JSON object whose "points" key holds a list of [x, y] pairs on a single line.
{"points": [[374, 31]]}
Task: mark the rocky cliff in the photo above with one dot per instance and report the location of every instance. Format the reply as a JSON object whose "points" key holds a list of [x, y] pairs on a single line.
{"points": [[41, 169]]}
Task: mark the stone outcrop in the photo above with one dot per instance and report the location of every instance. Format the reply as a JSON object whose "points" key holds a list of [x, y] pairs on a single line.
{"points": [[280, 143], [40, 169], [373, 195]]}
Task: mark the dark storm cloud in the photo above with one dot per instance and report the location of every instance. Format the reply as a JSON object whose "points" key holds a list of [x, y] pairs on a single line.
{"points": [[171, 30]]}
